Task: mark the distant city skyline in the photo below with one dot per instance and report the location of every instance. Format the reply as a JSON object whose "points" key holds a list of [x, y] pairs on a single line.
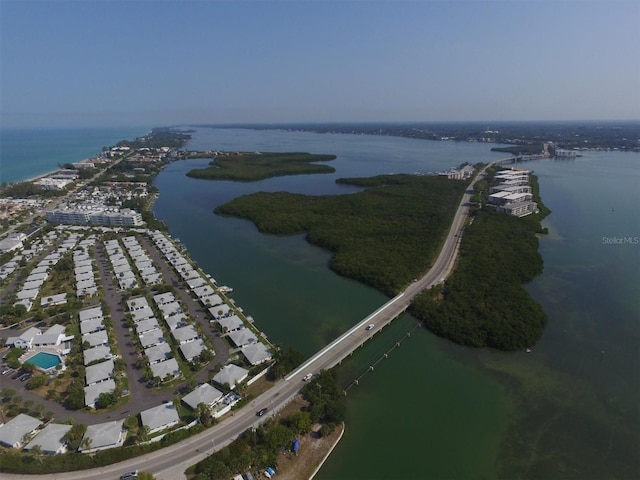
{"points": [[72, 63]]}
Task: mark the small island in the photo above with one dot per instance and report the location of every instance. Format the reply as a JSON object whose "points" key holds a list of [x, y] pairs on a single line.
{"points": [[254, 166]]}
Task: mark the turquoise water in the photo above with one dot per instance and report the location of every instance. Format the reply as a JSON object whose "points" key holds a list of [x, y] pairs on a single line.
{"points": [[44, 360], [27, 153]]}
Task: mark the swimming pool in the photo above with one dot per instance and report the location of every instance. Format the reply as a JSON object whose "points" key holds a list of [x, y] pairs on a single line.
{"points": [[44, 360]]}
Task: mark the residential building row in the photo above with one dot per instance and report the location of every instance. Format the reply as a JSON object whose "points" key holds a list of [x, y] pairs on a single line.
{"points": [[512, 193]]}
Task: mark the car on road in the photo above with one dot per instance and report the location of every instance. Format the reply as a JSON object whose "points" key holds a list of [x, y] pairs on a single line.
{"points": [[370, 326], [261, 412], [129, 475], [307, 377]]}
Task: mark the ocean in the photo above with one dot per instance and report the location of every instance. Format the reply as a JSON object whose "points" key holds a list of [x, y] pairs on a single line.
{"points": [[28, 153]]}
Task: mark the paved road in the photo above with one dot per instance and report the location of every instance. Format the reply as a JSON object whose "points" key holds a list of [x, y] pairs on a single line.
{"points": [[171, 462]]}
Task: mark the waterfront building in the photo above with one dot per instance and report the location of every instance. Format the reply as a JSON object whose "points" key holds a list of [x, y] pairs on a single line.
{"points": [[519, 209]]}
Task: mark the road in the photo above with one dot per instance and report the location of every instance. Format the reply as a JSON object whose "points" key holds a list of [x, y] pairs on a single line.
{"points": [[171, 462]]}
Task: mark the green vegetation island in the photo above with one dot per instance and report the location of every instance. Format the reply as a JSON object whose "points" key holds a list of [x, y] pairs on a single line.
{"points": [[390, 233], [384, 236], [253, 166]]}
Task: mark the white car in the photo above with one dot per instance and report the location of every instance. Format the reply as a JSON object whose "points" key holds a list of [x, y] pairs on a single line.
{"points": [[370, 326], [307, 377]]}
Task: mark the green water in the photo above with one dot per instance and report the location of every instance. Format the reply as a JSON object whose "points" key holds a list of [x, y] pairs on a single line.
{"points": [[434, 409]]}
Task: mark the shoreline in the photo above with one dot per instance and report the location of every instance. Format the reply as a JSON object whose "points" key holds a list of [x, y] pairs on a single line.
{"points": [[335, 444]]}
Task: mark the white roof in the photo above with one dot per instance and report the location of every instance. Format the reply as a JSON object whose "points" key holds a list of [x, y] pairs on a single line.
{"points": [[12, 433], [204, 393]]}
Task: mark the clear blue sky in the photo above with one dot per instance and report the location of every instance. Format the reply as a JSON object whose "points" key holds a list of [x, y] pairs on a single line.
{"points": [[169, 62]]}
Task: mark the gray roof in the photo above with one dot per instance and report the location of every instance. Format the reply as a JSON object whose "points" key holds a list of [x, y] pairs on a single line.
{"points": [[184, 334], [93, 325], [168, 367], [99, 372], [142, 314], [243, 337], [158, 417], [92, 392], [158, 353], [176, 321], [89, 313], [256, 353], [163, 298], [147, 325], [152, 337], [26, 336], [12, 433], [105, 435], [204, 393], [230, 374], [192, 349], [50, 438], [219, 309], [96, 338], [231, 323], [137, 302], [96, 353]]}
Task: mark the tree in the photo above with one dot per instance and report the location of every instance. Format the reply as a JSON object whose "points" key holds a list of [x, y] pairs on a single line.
{"points": [[203, 411]]}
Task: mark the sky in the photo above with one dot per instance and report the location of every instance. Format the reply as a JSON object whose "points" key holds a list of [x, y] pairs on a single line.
{"points": [[152, 63]]}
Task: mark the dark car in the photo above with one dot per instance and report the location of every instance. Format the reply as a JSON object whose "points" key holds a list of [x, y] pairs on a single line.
{"points": [[261, 412]]}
